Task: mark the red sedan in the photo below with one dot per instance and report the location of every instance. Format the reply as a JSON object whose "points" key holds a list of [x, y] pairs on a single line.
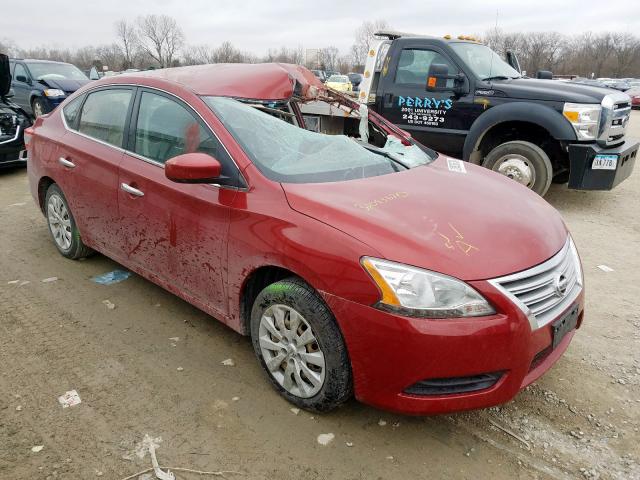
{"points": [[358, 261], [634, 93]]}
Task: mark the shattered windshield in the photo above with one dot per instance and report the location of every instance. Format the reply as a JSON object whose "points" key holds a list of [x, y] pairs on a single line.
{"points": [[287, 153]]}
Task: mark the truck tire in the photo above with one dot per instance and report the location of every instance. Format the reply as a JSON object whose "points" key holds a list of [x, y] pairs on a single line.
{"points": [[523, 162], [300, 347]]}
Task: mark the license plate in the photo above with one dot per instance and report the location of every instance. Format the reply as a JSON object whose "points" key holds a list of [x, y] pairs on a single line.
{"points": [[605, 162], [564, 325]]}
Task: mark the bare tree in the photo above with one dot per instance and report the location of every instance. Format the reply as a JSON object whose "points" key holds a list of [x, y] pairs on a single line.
{"points": [[128, 41], [626, 51], [364, 37], [328, 56], [160, 37], [111, 56]]}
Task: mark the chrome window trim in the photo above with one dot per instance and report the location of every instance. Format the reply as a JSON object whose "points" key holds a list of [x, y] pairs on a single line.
{"points": [[141, 157], [550, 264]]}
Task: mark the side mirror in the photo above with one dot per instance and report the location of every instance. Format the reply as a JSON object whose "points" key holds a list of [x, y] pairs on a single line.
{"points": [[544, 75], [437, 79], [22, 78], [194, 168]]}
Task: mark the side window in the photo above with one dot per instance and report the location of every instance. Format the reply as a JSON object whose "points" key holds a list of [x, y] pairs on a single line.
{"points": [[166, 129], [104, 114], [71, 112], [20, 71], [414, 64]]}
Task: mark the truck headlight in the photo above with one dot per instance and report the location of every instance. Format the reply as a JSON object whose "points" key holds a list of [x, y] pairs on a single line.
{"points": [[53, 92], [416, 292], [585, 119]]}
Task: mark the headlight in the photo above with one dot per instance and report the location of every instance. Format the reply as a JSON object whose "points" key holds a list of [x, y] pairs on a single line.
{"points": [[416, 292], [585, 119], [576, 260], [53, 92]]}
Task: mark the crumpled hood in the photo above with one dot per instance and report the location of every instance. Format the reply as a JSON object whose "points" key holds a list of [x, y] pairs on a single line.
{"points": [[66, 85], [473, 226]]}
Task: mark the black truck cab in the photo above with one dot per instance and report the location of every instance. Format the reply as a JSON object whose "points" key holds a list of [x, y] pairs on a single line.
{"points": [[459, 97]]}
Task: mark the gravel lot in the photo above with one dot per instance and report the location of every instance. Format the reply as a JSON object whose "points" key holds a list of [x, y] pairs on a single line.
{"points": [[581, 420]]}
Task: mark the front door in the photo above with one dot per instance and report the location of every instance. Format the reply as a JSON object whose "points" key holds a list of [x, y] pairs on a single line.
{"points": [[439, 120], [176, 232]]}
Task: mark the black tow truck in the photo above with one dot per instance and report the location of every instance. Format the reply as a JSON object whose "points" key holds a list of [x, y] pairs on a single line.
{"points": [[13, 122], [459, 97]]}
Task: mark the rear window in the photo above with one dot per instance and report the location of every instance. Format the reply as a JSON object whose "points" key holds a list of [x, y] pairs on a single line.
{"points": [[104, 115]]}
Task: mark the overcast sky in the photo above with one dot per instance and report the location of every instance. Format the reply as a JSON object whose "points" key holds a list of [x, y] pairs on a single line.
{"points": [[256, 25]]}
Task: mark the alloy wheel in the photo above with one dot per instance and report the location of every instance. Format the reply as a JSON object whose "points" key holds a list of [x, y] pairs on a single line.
{"points": [[59, 221], [291, 351]]}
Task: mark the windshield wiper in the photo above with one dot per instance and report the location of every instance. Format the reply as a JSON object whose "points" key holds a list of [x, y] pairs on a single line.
{"points": [[389, 155], [496, 77]]}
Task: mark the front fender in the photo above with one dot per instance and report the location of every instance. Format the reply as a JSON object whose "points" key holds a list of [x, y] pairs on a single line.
{"points": [[541, 115]]}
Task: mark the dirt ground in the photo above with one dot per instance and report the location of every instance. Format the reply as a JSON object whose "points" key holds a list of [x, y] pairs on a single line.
{"points": [[581, 420]]}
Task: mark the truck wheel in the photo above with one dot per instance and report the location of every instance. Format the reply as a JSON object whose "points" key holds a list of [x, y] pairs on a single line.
{"points": [[62, 226], [523, 162], [38, 107], [299, 345]]}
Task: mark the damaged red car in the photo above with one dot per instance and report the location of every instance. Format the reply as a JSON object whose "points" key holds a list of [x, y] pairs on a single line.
{"points": [[359, 262]]}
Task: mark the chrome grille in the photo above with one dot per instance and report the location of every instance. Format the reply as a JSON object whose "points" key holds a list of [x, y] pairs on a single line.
{"points": [[546, 290], [616, 110]]}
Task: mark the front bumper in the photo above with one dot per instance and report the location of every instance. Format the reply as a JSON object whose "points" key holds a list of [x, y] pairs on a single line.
{"points": [[12, 153], [390, 353], [582, 176]]}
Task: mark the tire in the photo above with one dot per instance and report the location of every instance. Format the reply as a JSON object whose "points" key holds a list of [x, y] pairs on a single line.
{"points": [[332, 383], [38, 107], [516, 159], [62, 226]]}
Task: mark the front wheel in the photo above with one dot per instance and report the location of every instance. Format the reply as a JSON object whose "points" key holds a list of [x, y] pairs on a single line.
{"points": [[524, 162], [39, 108], [300, 346]]}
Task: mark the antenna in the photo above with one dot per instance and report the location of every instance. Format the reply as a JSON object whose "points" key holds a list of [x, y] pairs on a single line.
{"points": [[495, 30]]}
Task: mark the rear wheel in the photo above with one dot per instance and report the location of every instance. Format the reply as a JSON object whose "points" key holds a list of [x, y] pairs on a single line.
{"points": [[524, 162], [300, 346], [62, 226]]}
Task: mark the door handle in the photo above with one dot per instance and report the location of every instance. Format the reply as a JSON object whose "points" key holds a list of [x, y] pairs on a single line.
{"points": [[388, 100], [67, 163], [131, 190]]}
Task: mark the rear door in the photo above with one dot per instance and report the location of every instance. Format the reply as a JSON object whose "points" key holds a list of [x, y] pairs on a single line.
{"points": [[88, 162], [439, 120], [175, 232]]}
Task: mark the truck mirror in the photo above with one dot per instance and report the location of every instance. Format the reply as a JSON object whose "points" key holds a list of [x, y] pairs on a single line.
{"points": [[437, 77], [544, 75], [22, 78]]}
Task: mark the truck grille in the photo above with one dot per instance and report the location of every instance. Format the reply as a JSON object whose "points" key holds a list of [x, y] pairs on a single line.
{"points": [[616, 109], [546, 290]]}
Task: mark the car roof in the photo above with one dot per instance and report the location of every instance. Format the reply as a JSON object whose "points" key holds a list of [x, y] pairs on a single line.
{"points": [[259, 81], [35, 60]]}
